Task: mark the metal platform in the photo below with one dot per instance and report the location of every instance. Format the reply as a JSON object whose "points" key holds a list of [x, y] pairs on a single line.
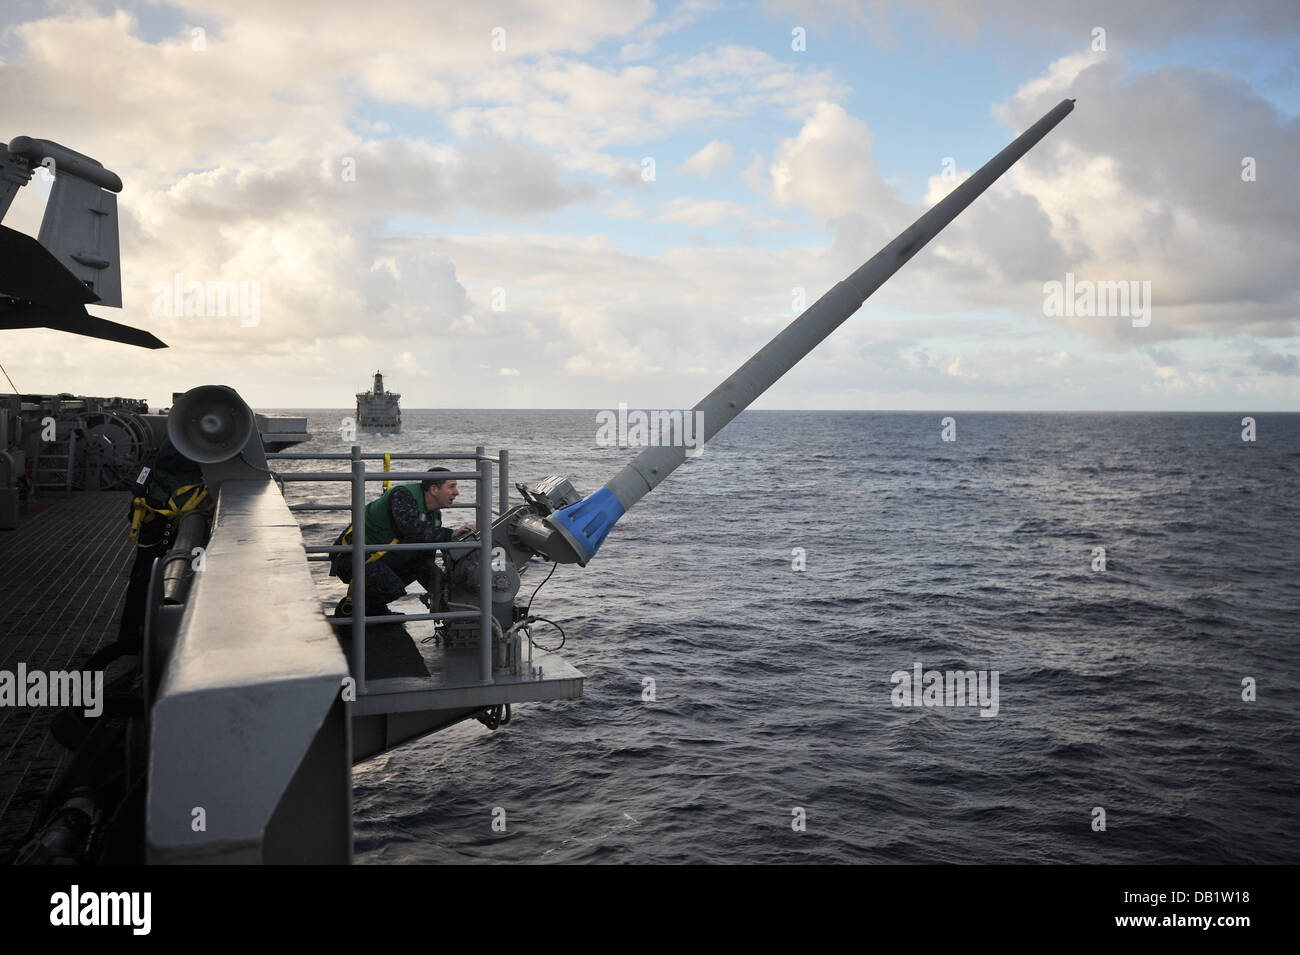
{"points": [[407, 684], [451, 681], [282, 431], [414, 688]]}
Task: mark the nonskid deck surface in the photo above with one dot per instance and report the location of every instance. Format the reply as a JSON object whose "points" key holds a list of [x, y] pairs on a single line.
{"points": [[64, 579]]}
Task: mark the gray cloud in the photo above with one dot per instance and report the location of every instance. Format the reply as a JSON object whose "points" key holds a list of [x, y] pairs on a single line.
{"points": [[1273, 363], [1148, 168], [498, 176], [1163, 356], [1124, 21]]}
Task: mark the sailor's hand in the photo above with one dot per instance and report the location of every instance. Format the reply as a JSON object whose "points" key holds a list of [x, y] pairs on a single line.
{"points": [[464, 529]]}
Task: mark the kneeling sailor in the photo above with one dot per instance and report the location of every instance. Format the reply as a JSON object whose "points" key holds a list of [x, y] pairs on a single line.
{"points": [[404, 514]]}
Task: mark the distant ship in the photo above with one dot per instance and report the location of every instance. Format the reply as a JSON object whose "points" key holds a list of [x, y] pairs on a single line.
{"points": [[377, 410]]}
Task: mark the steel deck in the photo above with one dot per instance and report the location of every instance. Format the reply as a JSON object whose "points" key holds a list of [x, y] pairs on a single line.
{"points": [[63, 576]]}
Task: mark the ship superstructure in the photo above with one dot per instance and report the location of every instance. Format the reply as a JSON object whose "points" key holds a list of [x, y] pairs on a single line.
{"points": [[378, 411]]}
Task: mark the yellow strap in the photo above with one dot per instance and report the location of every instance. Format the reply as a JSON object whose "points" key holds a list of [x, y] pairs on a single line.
{"points": [[388, 460], [143, 512], [347, 539], [140, 514], [194, 501]]}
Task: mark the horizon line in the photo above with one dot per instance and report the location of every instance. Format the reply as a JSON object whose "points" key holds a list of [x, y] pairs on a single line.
{"points": [[847, 410]]}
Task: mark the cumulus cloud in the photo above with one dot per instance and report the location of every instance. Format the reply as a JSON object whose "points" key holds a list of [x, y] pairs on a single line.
{"points": [[1144, 181], [583, 112], [644, 39], [828, 168], [694, 212], [709, 159], [1005, 238]]}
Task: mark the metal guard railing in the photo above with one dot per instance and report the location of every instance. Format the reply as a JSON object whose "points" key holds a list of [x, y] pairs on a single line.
{"points": [[358, 476]]}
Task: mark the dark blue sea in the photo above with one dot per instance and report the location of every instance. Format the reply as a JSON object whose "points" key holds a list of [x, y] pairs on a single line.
{"points": [[1119, 689]]}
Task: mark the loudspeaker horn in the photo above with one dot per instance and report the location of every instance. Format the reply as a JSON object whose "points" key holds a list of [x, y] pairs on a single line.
{"points": [[210, 424]]}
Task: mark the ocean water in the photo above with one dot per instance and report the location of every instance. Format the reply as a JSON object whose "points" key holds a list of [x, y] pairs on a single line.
{"points": [[774, 736]]}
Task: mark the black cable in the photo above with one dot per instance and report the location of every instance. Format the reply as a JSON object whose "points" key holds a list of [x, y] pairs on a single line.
{"points": [[8, 379], [279, 481], [539, 587], [563, 637]]}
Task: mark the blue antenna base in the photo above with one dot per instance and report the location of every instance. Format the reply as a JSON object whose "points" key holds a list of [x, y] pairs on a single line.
{"points": [[586, 524]]}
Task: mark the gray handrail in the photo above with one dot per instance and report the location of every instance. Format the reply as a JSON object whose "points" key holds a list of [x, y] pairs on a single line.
{"points": [[358, 476]]}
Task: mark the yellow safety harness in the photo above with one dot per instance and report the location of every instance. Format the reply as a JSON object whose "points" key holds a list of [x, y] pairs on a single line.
{"points": [[370, 559], [142, 512]]}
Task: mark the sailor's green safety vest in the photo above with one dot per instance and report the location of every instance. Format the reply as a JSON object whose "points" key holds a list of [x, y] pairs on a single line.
{"points": [[380, 530], [173, 486]]}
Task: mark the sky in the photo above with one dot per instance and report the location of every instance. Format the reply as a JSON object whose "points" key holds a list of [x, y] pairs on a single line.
{"points": [[576, 205]]}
